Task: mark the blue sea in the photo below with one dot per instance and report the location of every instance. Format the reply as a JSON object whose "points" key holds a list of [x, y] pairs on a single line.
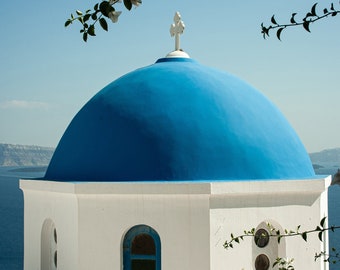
{"points": [[11, 213]]}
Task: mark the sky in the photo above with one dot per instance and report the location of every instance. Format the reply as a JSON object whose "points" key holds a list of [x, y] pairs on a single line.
{"points": [[47, 73]]}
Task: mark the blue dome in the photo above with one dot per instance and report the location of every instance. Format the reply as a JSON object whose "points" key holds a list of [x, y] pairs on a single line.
{"points": [[179, 120]]}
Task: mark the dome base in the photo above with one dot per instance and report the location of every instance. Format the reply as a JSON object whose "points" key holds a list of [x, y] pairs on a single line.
{"points": [[177, 53]]}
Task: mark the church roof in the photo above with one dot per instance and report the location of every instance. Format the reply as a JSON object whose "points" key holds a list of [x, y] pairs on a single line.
{"points": [[178, 120]]}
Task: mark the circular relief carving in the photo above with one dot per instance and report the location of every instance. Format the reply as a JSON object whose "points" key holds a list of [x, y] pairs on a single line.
{"points": [[261, 238], [262, 262]]}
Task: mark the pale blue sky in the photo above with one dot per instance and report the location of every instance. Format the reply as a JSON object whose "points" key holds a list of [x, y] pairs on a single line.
{"points": [[48, 72]]}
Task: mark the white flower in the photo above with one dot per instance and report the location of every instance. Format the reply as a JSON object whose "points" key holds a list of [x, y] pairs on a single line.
{"points": [[136, 2], [113, 15]]}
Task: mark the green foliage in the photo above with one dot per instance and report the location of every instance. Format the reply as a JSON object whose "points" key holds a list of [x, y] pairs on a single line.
{"points": [[333, 257], [128, 4], [100, 11], [310, 17], [284, 263], [229, 244]]}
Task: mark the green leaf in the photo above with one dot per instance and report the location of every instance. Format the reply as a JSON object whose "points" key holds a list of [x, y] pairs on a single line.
{"points": [[68, 22], [325, 11], [87, 17], [306, 25], [273, 20], [103, 24], [304, 236], [318, 228], [320, 236], [85, 36], [94, 16], [313, 11], [332, 7], [309, 15], [128, 4], [81, 20], [96, 7], [322, 222], [237, 240], [105, 8], [278, 33], [334, 13], [79, 13], [91, 31], [264, 31], [292, 19]]}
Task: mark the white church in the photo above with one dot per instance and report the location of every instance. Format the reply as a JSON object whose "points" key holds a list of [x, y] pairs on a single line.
{"points": [[162, 165]]}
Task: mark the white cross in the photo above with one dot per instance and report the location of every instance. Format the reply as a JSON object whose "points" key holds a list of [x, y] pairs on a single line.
{"points": [[177, 29]]}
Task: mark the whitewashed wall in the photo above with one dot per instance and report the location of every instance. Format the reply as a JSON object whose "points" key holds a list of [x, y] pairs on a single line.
{"points": [[192, 219], [243, 206]]}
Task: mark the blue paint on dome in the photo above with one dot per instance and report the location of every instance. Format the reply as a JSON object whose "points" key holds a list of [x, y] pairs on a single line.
{"points": [[179, 120]]}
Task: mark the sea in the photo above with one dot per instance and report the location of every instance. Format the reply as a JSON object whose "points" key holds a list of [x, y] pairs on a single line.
{"points": [[11, 213]]}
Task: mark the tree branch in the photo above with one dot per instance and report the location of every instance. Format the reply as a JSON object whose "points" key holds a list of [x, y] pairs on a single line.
{"points": [[309, 18], [100, 10]]}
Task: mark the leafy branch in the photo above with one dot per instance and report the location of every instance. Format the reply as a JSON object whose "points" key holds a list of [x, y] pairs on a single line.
{"points": [[100, 12], [273, 232], [333, 257], [284, 264], [310, 17], [262, 235]]}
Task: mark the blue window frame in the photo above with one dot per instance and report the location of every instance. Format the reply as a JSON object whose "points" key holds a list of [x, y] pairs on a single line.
{"points": [[141, 249]]}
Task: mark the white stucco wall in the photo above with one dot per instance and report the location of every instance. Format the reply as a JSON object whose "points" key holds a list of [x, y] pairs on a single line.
{"points": [[192, 219], [43, 201], [243, 206], [181, 220]]}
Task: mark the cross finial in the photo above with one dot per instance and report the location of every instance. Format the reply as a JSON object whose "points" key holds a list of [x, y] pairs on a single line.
{"points": [[177, 29]]}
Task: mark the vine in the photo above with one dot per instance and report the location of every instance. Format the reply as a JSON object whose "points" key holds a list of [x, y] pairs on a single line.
{"points": [[99, 13], [310, 17], [284, 263]]}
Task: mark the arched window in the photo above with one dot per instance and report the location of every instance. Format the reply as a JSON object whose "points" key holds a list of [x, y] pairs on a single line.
{"points": [[49, 255], [141, 249], [265, 248]]}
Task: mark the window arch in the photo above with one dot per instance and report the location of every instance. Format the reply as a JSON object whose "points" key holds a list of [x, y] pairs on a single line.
{"points": [[265, 248], [141, 249], [49, 255]]}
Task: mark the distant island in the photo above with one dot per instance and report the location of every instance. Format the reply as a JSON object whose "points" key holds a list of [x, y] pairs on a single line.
{"points": [[24, 155], [32, 155], [326, 156]]}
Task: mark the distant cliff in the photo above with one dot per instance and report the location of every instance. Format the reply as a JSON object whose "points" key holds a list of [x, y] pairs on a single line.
{"points": [[24, 155], [31, 155], [326, 156]]}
